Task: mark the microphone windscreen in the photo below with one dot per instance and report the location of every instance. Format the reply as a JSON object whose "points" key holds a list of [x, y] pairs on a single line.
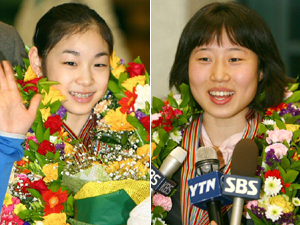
{"points": [[204, 153], [179, 154], [244, 158]]}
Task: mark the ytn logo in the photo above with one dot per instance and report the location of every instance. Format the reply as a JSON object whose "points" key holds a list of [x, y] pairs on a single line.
{"points": [[206, 185]]}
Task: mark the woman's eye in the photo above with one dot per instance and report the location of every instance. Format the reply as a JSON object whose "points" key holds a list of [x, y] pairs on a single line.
{"points": [[205, 59], [234, 60], [70, 63], [100, 65]]}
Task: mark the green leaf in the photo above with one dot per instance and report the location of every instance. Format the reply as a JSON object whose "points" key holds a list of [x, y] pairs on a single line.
{"points": [[285, 163], [296, 135], [46, 135], [291, 175], [54, 186], [33, 145], [54, 107], [40, 132], [140, 131], [158, 210], [256, 220], [24, 214], [138, 60], [123, 76], [30, 154], [114, 87], [172, 102], [294, 98], [35, 193], [157, 104], [280, 124], [124, 139], [41, 159]]}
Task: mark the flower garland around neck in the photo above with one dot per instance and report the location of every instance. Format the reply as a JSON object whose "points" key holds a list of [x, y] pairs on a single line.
{"points": [[39, 192], [278, 140], [169, 118]]}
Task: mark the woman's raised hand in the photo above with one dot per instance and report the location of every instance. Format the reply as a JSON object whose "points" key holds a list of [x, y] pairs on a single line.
{"points": [[14, 117]]}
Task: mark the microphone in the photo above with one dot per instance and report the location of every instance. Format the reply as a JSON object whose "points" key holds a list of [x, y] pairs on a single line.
{"points": [[241, 184], [159, 178], [206, 188]]}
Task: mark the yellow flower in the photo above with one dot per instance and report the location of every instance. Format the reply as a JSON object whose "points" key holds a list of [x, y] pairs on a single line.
{"points": [[153, 147], [133, 81], [20, 207], [118, 70], [114, 60], [144, 151], [69, 149], [45, 113], [53, 95], [30, 74], [55, 218], [282, 202], [292, 127], [7, 200], [118, 120], [112, 167], [50, 171]]}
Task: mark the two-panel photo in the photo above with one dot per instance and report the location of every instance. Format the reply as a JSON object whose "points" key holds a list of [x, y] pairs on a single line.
{"points": [[149, 112]]}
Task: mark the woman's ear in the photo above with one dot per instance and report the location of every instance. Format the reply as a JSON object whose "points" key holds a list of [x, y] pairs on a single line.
{"points": [[261, 76], [35, 61]]}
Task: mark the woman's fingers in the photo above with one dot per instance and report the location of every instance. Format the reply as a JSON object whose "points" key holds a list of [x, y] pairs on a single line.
{"points": [[3, 80], [10, 78], [34, 104]]}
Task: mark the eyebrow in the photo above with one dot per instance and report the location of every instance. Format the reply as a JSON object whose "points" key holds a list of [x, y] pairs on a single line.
{"points": [[78, 53], [229, 49]]}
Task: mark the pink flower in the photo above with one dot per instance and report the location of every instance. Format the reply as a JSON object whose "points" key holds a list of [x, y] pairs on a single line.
{"points": [[8, 215], [27, 141], [280, 149], [164, 201], [248, 206], [279, 136]]}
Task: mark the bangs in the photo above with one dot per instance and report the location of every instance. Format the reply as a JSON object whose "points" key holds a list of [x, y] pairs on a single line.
{"points": [[212, 27]]}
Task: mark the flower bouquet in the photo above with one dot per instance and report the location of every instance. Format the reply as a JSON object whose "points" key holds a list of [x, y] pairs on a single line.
{"points": [[278, 140], [41, 189], [168, 121]]}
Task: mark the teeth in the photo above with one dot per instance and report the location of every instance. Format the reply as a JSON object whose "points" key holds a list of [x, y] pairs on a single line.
{"points": [[78, 95], [221, 93]]}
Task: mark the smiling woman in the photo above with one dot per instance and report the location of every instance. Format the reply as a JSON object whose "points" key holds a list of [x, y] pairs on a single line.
{"points": [[228, 57], [70, 139]]}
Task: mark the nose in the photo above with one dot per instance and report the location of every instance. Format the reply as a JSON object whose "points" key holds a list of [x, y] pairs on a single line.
{"points": [[220, 72], [85, 78]]}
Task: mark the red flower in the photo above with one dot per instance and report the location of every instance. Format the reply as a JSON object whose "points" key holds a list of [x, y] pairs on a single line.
{"points": [[128, 103], [135, 69], [277, 108], [40, 186], [146, 122], [276, 173], [22, 166], [54, 201], [46, 146], [54, 122], [33, 88]]}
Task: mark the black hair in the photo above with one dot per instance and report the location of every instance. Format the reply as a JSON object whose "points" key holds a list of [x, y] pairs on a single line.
{"points": [[243, 27], [68, 19]]}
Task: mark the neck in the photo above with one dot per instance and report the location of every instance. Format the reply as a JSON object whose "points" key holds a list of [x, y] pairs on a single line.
{"points": [[219, 129], [76, 122]]}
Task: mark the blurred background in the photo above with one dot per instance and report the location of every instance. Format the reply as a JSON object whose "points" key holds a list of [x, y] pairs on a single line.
{"points": [[169, 17], [129, 21]]}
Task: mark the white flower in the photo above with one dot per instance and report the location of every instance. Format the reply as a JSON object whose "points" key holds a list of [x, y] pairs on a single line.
{"points": [[176, 136], [272, 186], [177, 98], [158, 219], [143, 93], [155, 116], [296, 201], [39, 223], [155, 137], [52, 139], [264, 202], [268, 122], [273, 212]]}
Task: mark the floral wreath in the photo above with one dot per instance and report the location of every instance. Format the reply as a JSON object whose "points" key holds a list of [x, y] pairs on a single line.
{"points": [[278, 140], [38, 192]]}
